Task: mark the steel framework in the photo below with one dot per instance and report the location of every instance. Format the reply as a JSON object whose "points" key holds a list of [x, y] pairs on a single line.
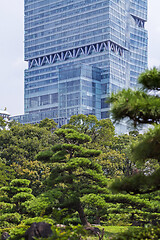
{"points": [[77, 52]]}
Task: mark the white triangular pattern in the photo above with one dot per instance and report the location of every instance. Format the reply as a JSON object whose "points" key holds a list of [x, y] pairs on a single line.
{"points": [[75, 53]]}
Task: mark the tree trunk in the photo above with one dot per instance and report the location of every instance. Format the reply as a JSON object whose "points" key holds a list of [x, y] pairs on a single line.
{"points": [[97, 220], [82, 215]]}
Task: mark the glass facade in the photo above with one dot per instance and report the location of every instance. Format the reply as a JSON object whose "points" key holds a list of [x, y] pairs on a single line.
{"points": [[78, 52], [79, 92]]}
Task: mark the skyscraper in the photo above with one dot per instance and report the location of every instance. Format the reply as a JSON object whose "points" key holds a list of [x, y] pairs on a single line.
{"points": [[78, 52]]}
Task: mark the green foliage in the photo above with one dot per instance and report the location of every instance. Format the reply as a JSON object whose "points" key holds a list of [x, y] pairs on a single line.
{"points": [[102, 138], [74, 176], [24, 141], [142, 107], [22, 197], [71, 232], [73, 135], [88, 153], [20, 183], [139, 106], [95, 207], [112, 162], [29, 221], [18, 189], [120, 209], [3, 123], [94, 200], [120, 219], [17, 232], [47, 123], [136, 105], [146, 184], [44, 155], [127, 216], [149, 146], [68, 232], [150, 79], [19, 145], [128, 199], [12, 202], [35, 171], [6, 207], [43, 204], [6, 173], [100, 131], [10, 218], [122, 145], [148, 232]]}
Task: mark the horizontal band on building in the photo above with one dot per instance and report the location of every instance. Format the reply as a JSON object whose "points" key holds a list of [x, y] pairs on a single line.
{"points": [[77, 52]]}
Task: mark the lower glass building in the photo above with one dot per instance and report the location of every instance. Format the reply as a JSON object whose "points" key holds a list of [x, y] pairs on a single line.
{"points": [[78, 52]]}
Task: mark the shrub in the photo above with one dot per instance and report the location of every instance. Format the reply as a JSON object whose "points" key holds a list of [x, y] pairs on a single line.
{"points": [[72, 233], [29, 221], [10, 218], [17, 232], [147, 232]]}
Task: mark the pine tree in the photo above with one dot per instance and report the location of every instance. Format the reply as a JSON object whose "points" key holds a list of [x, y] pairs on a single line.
{"points": [[74, 173], [12, 198], [142, 107]]}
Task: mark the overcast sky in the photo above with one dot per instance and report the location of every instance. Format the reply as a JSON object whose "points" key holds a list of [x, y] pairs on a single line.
{"points": [[11, 51]]}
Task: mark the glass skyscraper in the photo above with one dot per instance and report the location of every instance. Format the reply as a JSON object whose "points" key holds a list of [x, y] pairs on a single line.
{"points": [[78, 52]]}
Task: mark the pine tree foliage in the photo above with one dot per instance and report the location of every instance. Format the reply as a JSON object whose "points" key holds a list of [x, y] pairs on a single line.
{"points": [[102, 134], [141, 106], [138, 106], [18, 146], [74, 172], [101, 131], [6, 173], [149, 146], [12, 198], [139, 183], [3, 123], [150, 79]]}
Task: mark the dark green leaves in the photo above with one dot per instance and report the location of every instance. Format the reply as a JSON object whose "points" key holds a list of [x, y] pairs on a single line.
{"points": [[150, 79], [149, 146], [136, 105]]}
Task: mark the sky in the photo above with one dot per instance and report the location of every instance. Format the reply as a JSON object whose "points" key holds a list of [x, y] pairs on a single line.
{"points": [[12, 64]]}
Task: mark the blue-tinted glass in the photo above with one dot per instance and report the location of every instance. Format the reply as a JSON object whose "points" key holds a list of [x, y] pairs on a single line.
{"points": [[78, 52]]}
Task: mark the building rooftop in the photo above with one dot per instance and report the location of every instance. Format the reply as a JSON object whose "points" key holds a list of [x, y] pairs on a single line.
{"points": [[3, 112]]}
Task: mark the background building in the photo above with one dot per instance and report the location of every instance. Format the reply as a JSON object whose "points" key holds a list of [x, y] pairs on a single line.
{"points": [[5, 115], [78, 52]]}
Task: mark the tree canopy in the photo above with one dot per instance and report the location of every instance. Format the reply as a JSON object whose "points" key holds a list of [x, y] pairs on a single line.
{"points": [[18, 146], [142, 106], [101, 131], [73, 172]]}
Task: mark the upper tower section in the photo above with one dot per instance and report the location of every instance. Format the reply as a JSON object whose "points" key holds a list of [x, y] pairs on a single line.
{"points": [[138, 42], [57, 25], [138, 8]]}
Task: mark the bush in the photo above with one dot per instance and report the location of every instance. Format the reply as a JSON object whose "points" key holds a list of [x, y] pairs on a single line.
{"points": [[22, 197], [17, 232], [40, 205], [10, 218], [20, 183], [147, 232], [29, 221], [72, 233], [6, 207]]}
